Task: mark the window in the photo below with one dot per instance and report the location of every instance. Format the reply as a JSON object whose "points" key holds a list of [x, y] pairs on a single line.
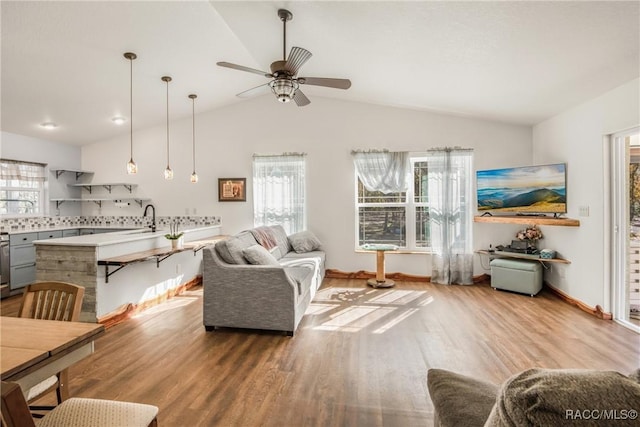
{"points": [[279, 191], [22, 188], [400, 218]]}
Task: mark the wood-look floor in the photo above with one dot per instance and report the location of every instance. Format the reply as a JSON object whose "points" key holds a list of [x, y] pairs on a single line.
{"points": [[359, 358]]}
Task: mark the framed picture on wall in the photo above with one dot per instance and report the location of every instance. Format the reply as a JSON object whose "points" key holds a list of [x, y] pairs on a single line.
{"points": [[232, 189]]}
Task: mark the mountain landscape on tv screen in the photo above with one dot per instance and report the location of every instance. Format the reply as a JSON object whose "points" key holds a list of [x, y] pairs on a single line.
{"points": [[529, 189], [522, 200]]}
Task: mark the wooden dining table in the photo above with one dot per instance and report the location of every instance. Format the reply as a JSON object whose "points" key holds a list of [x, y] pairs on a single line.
{"points": [[31, 350]]}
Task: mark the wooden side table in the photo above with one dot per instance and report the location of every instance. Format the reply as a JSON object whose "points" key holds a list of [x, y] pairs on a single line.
{"points": [[380, 281]]}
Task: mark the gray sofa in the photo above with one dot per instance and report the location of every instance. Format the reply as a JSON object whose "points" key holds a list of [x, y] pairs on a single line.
{"points": [[536, 397], [261, 279]]}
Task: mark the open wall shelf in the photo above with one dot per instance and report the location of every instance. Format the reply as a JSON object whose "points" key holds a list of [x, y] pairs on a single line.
{"points": [[528, 220], [107, 186], [77, 172]]}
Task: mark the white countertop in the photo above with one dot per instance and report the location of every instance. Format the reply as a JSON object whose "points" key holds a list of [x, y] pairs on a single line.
{"points": [[73, 227], [118, 237]]}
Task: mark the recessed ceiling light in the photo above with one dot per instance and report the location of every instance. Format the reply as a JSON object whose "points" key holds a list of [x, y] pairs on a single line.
{"points": [[119, 120], [48, 125]]}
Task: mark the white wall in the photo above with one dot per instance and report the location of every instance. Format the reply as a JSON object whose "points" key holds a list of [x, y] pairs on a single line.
{"points": [[53, 154], [576, 137], [327, 130]]}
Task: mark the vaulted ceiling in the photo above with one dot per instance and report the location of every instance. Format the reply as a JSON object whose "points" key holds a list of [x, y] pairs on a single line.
{"points": [[519, 62]]}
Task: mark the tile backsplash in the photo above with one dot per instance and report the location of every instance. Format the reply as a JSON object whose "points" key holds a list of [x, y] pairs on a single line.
{"points": [[48, 222]]}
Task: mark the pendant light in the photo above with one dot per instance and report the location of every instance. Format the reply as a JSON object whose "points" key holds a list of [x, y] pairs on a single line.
{"points": [[132, 167], [168, 173], [193, 96]]}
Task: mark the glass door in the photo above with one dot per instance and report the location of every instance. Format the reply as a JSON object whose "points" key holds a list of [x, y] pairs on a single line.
{"points": [[626, 223]]}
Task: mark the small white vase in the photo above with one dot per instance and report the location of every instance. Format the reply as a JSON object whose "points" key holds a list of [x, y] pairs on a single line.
{"points": [[177, 243]]}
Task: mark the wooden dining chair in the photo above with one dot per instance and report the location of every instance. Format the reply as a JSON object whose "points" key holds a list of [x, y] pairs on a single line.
{"points": [[76, 412], [51, 301]]}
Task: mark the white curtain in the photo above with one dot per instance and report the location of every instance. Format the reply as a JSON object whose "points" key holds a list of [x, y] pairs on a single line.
{"points": [[382, 170], [451, 215], [11, 170], [279, 191]]}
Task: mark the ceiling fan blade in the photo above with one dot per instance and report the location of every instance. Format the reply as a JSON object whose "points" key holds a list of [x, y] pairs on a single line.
{"points": [[321, 81], [243, 68], [301, 99], [258, 90], [297, 58]]}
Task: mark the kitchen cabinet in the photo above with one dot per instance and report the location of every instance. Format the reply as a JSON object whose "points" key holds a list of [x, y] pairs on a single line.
{"points": [[22, 254]]}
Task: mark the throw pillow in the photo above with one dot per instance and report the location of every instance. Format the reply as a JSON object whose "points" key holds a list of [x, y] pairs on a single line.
{"points": [[230, 250], [281, 239], [258, 255], [304, 241], [551, 397]]}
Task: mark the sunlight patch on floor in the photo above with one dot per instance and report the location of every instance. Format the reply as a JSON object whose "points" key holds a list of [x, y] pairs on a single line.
{"points": [[374, 305], [354, 318], [393, 322], [170, 304], [319, 308], [397, 297], [161, 288]]}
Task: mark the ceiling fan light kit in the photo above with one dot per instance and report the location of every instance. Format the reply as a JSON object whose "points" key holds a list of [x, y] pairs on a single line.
{"points": [[285, 83]]}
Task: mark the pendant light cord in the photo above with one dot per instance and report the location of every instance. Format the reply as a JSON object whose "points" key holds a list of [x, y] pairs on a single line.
{"points": [[193, 130], [131, 104], [167, 123]]}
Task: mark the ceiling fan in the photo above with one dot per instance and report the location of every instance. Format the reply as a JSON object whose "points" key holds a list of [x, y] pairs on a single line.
{"points": [[285, 83]]}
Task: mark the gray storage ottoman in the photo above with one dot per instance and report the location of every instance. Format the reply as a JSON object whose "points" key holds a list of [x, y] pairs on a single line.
{"points": [[516, 275]]}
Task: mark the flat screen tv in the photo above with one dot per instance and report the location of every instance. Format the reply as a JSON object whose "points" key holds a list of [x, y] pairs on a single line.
{"points": [[523, 190]]}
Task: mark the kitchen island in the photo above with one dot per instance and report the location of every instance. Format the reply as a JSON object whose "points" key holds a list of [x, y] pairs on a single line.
{"points": [[109, 293]]}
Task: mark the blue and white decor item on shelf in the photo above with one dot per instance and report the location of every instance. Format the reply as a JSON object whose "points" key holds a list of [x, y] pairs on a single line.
{"points": [[547, 254]]}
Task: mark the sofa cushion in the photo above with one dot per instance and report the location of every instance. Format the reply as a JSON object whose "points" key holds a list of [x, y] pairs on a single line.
{"points": [[230, 250], [304, 241], [259, 255], [547, 397], [281, 240], [302, 277], [459, 400], [264, 236]]}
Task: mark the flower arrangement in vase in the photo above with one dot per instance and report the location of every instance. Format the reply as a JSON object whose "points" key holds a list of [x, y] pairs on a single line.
{"points": [[175, 236], [530, 234]]}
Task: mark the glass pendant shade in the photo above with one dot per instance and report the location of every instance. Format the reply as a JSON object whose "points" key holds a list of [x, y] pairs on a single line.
{"points": [[194, 177], [168, 173], [132, 167]]}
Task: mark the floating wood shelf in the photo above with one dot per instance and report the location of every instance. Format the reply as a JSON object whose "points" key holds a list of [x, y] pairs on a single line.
{"points": [[531, 220], [502, 254], [157, 255]]}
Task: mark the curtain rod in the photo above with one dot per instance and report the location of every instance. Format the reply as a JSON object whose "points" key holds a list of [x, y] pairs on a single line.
{"points": [[456, 148], [370, 150], [288, 154]]}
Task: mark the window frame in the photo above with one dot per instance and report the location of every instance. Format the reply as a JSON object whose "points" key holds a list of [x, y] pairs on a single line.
{"points": [[41, 190], [410, 206], [299, 203]]}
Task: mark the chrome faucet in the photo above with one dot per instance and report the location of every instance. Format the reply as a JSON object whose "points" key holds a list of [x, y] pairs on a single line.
{"points": [[153, 219]]}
